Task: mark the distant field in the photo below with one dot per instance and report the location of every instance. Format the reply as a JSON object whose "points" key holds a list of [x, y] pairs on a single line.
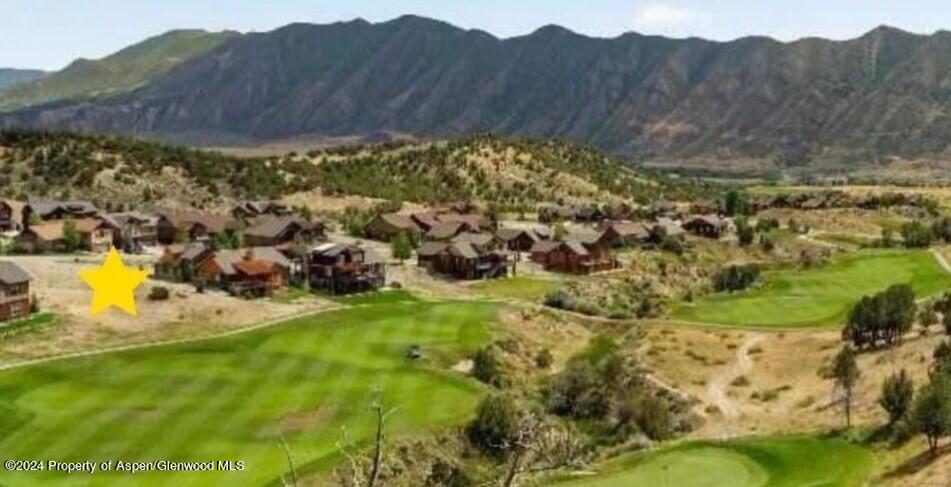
{"points": [[527, 288], [231, 399], [773, 462], [821, 296]]}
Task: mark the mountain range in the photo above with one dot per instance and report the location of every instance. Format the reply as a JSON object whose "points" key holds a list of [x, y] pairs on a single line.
{"points": [[10, 76], [648, 98]]}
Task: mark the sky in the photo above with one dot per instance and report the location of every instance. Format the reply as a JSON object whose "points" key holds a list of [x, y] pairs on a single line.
{"points": [[48, 34]]}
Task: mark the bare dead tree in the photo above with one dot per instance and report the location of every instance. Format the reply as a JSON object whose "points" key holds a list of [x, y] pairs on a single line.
{"points": [[540, 446], [364, 471]]}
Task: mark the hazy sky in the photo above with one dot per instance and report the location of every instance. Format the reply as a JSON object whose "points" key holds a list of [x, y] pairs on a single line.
{"points": [[50, 33]]}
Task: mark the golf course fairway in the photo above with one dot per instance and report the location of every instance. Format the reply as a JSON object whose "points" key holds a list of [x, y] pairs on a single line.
{"points": [[234, 398], [820, 296], [762, 462]]}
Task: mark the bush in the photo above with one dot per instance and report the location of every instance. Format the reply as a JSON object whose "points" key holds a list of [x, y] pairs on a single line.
{"points": [[578, 392], [487, 367], [494, 425], [736, 277], [544, 359], [673, 245], [558, 299], [653, 418], [159, 293]]}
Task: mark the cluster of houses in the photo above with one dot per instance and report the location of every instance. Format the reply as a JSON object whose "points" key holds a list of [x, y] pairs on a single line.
{"points": [[466, 245]]}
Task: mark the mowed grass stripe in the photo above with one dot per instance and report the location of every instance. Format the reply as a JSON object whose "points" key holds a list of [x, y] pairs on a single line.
{"points": [[233, 405], [820, 296]]}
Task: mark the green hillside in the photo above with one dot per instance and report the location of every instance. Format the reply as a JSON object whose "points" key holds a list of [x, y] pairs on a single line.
{"points": [[116, 73]]}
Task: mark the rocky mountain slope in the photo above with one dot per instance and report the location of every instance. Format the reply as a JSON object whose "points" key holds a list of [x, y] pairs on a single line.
{"points": [[118, 73], [643, 97]]}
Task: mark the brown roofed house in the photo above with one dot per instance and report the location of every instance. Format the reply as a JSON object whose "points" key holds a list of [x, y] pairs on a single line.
{"points": [[385, 226], [574, 256], [626, 233], [251, 209], [192, 226], [345, 268], [14, 291], [257, 271], [279, 230], [10, 216], [710, 226], [57, 210], [95, 235]]}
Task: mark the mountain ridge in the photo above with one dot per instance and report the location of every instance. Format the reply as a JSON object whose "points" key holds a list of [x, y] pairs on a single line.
{"points": [[647, 98]]}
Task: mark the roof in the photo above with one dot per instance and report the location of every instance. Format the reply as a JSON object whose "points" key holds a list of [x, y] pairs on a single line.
{"points": [[273, 226], [576, 246], [508, 234], [474, 221], [479, 239], [254, 267], [214, 223], [427, 220], [89, 225], [45, 207], [429, 249], [48, 231], [10, 273], [545, 246], [227, 259], [402, 222], [463, 249], [712, 220], [630, 229], [131, 217], [446, 230]]}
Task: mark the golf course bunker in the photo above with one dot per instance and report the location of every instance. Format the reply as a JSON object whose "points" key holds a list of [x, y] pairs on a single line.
{"points": [[783, 462]]}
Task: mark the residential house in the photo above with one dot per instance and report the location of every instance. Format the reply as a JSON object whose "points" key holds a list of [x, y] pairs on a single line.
{"points": [[345, 268], [37, 209], [14, 291], [255, 271], [666, 227], [575, 256], [626, 233], [94, 235], [710, 226], [279, 230], [477, 223], [10, 213], [385, 226], [588, 214], [173, 227], [425, 221], [134, 230], [519, 239], [251, 209], [466, 258], [180, 262]]}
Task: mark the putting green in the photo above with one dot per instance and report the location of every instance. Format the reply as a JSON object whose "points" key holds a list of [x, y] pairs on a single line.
{"points": [[774, 462], [820, 296], [233, 398]]}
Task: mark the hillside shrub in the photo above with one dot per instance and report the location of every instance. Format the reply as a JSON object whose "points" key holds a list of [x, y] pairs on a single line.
{"points": [[494, 425], [159, 293], [736, 277]]}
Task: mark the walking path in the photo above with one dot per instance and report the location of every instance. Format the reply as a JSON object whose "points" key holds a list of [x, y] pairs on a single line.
{"points": [[717, 386]]}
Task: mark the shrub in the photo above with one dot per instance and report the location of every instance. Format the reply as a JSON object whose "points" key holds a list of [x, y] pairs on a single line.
{"points": [[487, 367], [578, 392], [159, 293], [653, 418], [544, 359], [673, 245], [736, 277], [494, 425], [897, 394]]}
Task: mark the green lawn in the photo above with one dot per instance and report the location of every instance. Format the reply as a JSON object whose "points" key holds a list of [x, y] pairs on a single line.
{"points": [[231, 398], [820, 296], [774, 462], [519, 287]]}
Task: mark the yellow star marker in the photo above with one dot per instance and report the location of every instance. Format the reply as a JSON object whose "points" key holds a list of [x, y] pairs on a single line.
{"points": [[113, 284]]}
